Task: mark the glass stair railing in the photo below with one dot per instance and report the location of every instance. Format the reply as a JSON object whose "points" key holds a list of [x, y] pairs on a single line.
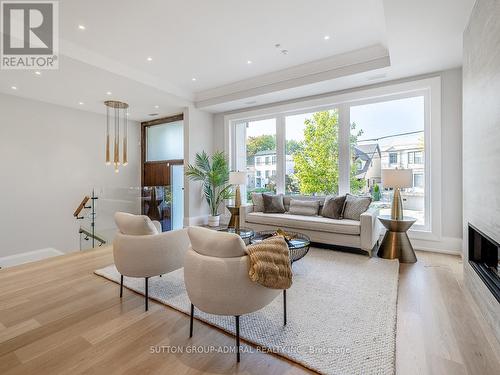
{"points": [[96, 211]]}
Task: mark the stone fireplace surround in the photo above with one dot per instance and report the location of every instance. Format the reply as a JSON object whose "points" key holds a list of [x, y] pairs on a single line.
{"points": [[480, 144], [483, 258]]}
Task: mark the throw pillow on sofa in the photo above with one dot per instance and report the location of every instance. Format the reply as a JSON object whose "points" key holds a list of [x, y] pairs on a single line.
{"points": [[333, 207], [355, 206], [258, 202], [273, 204], [306, 208]]}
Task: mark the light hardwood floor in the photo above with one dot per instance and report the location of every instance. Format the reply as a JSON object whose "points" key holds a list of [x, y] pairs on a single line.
{"points": [[56, 317]]}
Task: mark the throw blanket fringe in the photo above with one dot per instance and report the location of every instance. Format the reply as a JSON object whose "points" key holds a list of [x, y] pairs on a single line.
{"points": [[270, 263]]}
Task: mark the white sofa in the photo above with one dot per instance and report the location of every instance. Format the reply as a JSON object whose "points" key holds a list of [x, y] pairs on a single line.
{"points": [[363, 234]]}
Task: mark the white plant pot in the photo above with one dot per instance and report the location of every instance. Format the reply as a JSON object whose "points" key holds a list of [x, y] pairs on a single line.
{"points": [[213, 221]]}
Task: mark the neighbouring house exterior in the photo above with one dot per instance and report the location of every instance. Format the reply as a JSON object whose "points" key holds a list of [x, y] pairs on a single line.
{"points": [[368, 162], [407, 156], [398, 152], [395, 152], [262, 168]]}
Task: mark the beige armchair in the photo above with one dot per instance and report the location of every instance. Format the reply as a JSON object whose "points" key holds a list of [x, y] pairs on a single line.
{"points": [[140, 249], [216, 277]]}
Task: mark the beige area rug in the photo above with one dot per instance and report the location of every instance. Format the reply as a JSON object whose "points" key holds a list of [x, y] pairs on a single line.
{"points": [[341, 312]]}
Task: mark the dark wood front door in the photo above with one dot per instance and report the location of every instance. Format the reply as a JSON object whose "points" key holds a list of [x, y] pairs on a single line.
{"points": [[157, 173], [156, 179]]}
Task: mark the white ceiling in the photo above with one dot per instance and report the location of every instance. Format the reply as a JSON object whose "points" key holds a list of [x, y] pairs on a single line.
{"points": [[370, 41]]}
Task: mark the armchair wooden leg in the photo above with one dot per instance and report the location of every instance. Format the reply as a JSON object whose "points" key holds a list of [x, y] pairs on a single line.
{"points": [[146, 292], [121, 286], [284, 307], [237, 338], [191, 321]]}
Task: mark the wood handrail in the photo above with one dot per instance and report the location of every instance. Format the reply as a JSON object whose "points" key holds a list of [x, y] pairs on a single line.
{"points": [[81, 206]]}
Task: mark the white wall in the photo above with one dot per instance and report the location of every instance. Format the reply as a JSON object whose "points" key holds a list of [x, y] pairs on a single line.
{"points": [[481, 139], [198, 137], [451, 148], [50, 157]]}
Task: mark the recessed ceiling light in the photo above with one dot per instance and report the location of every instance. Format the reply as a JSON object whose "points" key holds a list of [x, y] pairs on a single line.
{"points": [[109, 93], [249, 62], [284, 51], [157, 106], [326, 37], [81, 27], [193, 79], [38, 73], [81, 103], [149, 58], [13, 87]]}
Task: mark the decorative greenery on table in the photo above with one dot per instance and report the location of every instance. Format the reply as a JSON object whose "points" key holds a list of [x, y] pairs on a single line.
{"points": [[214, 174]]}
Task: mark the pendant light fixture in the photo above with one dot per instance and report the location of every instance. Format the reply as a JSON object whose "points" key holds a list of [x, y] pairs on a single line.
{"points": [[116, 111]]}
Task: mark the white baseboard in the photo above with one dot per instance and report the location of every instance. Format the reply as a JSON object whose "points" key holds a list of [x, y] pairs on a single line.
{"points": [[203, 220], [29, 256], [447, 245], [444, 245], [195, 220]]}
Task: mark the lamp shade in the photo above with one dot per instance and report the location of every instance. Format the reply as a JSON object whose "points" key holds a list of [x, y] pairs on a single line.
{"points": [[237, 178], [397, 178]]}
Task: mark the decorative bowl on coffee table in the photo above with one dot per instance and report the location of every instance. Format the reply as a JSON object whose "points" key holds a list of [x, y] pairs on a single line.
{"points": [[298, 243]]}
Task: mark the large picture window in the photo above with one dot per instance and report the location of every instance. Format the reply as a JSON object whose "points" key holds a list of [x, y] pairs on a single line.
{"points": [[388, 135], [312, 153], [259, 161], [342, 148]]}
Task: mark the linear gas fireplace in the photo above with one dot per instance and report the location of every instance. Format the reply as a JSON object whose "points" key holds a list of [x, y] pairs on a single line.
{"points": [[484, 256]]}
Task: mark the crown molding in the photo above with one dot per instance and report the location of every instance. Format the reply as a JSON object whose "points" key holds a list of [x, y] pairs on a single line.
{"points": [[346, 64]]}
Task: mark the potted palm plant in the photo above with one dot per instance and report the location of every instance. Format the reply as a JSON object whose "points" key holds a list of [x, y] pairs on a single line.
{"points": [[214, 174]]}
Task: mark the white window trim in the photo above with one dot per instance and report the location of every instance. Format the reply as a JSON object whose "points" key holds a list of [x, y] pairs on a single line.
{"points": [[431, 87]]}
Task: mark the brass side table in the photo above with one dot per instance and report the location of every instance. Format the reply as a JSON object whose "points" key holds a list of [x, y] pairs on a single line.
{"points": [[234, 222], [396, 243]]}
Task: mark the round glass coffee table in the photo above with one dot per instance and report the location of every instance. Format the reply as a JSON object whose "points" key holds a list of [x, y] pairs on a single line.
{"points": [[298, 244], [245, 233]]}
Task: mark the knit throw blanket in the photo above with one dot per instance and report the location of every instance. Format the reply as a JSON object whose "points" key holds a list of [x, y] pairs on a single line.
{"points": [[270, 263]]}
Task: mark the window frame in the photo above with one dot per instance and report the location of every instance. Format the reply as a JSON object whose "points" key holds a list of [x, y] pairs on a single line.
{"points": [[413, 155], [391, 154], [422, 175], [430, 88]]}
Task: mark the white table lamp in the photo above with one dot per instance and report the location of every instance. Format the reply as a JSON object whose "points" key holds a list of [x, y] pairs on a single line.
{"points": [[237, 178], [397, 179]]}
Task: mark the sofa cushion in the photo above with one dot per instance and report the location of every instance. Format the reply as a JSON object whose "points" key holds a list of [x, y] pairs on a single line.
{"points": [[315, 223], [273, 203], [333, 207], [355, 206], [134, 225], [306, 208], [216, 244], [287, 199], [258, 202]]}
